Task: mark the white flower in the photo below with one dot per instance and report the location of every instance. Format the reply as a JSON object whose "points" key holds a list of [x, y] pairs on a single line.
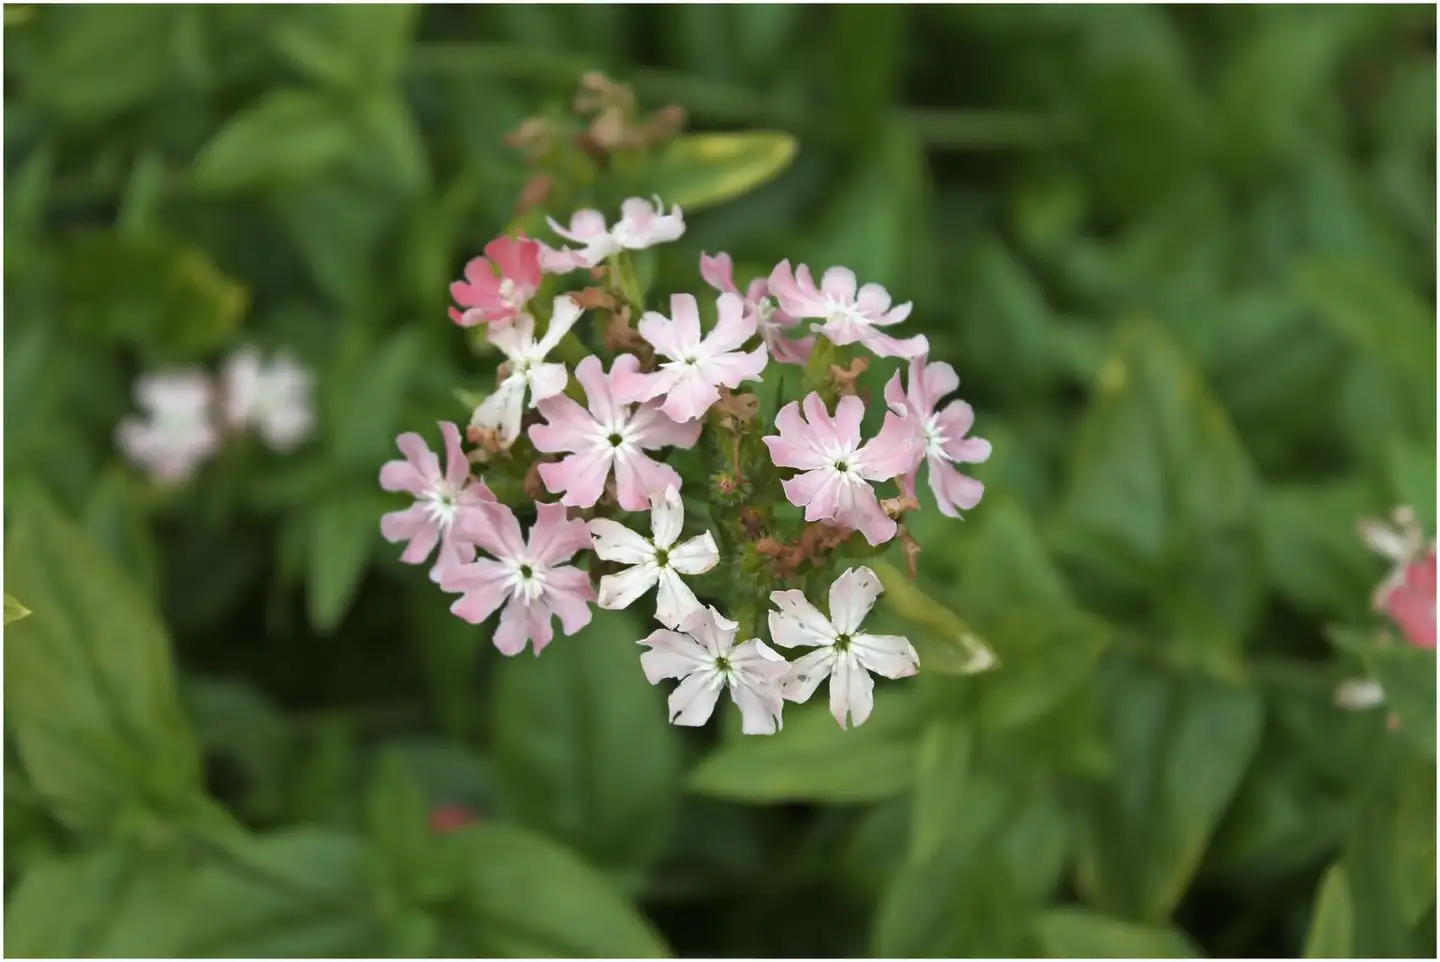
{"points": [[704, 656], [641, 225], [273, 398], [177, 433], [1401, 543], [844, 653], [528, 368], [1359, 694], [654, 561]]}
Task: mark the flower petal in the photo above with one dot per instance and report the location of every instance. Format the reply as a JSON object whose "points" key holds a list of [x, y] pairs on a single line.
{"points": [[570, 427], [671, 655], [667, 516], [653, 429], [581, 477], [693, 700], [621, 589], [568, 593], [674, 602], [891, 453], [954, 492], [696, 556], [798, 622], [890, 655], [733, 325], [483, 589], [637, 476], [615, 542], [852, 595], [555, 537], [852, 692], [546, 380], [806, 673]]}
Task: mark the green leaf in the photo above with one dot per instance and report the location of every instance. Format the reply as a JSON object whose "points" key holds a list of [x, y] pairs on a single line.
{"points": [[1312, 550], [14, 610], [1373, 310], [1408, 676], [1078, 934], [1006, 323], [582, 747], [1045, 657], [347, 47], [370, 414], [290, 135], [344, 533], [947, 645], [697, 171], [814, 760], [1162, 499], [942, 770], [526, 897], [106, 903], [1332, 925], [1182, 745], [300, 892], [158, 295], [1411, 473], [89, 686]]}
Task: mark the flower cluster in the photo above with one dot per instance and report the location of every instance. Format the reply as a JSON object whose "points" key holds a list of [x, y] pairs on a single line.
{"points": [[187, 415], [667, 418]]}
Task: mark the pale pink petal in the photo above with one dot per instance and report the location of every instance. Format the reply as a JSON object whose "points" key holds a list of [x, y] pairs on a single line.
{"points": [[956, 420], [457, 466], [860, 509], [579, 478], [400, 476], [667, 516], [888, 655], [688, 394], [731, 369], [654, 429], [555, 538], [664, 335], [671, 655], [711, 629], [513, 631], [591, 375], [849, 413], [930, 385], [483, 589], [569, 426], [615, 542], [624, 588], [806, 673], [852, 595], [637, 476], [892, 452], [873, 301], [954, 492], [568, 593], [838, 285], [794, 447], [798, 622], [693, 700], [883, 345], [852, 693], [585, 226], [823, 428], [796, 292], [818, 492], [718, 272], [734, 325], [696, 556], [547, 380], [967, 450], [494, 528], [416, 525], [420, 457]]}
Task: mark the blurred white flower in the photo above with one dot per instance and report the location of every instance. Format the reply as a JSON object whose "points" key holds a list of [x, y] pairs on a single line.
{"points": [[274, 398], [177, 431]]}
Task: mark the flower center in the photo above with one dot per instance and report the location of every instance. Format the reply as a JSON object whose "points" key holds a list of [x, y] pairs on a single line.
{"points": [[526, 571], [842, 643], [615, 439], [842, 466], [440, 504], [934, 437], [508, 292], [722, 664], [662, 557]]}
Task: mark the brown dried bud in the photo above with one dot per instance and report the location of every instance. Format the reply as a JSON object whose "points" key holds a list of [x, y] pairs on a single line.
{"points": [[609, 130], [594, 299], [663, 124], [534, 137], [488, 443], [533, 486], [534, 193], [896, 507], [844, 378], [911, 548], [739, 409], [752, 523]]}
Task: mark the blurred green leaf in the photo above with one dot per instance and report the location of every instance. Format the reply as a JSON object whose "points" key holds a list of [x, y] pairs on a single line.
{"points": [[1182, 745], [1332, 924], [345, 531], [1411, 475], [1006, 323], [942, 771], [815, 760], [697, 171], [1374, 311], [583, 750], [1408, 676], [1162, 499], [347, 47], [368, 417], [106, 903], [946, 644], [287, 894], [290, 135], [89, 687], [1313, 552], [1078, 934], [14, 610], [526, 897], [158, 295]]}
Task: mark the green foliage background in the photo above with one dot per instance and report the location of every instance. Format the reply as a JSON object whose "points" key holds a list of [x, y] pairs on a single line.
{"points": [[1183, 260]]}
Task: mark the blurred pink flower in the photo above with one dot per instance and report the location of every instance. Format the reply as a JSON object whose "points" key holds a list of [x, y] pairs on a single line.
{"points": [[941, 434], [689, 381], [1411, 604], [177, 432], [528, 368], [641, 225], [704, 656], [614, 432], [654, 561], [843, 653], [274, 398], [441, 500], [530, 578], [450, 818], [489, 298], [837, 468], [848, 316], [774, 324]]}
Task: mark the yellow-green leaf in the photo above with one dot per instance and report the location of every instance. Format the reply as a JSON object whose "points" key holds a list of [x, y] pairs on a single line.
{"points": [[14, 610], [948, 645], [1332, 927], [702, 170]]}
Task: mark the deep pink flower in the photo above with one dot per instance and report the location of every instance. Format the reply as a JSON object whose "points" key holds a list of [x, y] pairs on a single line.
{"points": [[530, 579], [641, 225], [774, 324], [848, 316], [614, 432], [441, 500], [1411, 604], [689, 381], [489, 298], [941, 434], [837, 468]]}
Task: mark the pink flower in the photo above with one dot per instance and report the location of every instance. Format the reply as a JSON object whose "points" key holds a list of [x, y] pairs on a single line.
{"points": [[492, 299], [774, 324], [704, 656], [1411, 604], [689, 381], [641, 225], [837, 467], [450, 818], [528, 369], [848, 317], [274, 398], [178, 431], [442, 501], [529, 578], [613, 433], [653, 561], [843, 653], [941, 434]]}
